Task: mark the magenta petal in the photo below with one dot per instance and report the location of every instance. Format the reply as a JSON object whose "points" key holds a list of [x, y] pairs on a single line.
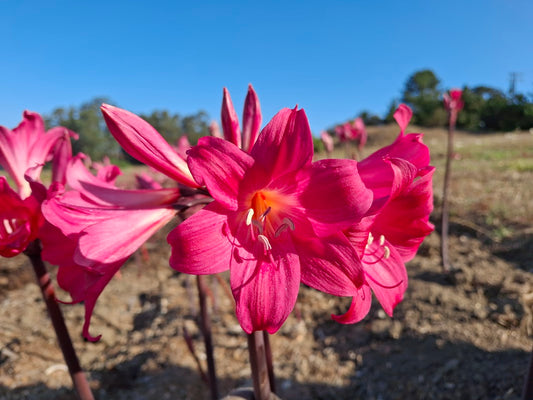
{"points": [[265, 290], [202, 244], [285, 145], [220, 166], [116, 237], [251, 119], [403, 115], [409, 147], [230, 121], [330, 265], [144, 143], [359, 307], [404, 221], [334, 196], [387, 277]]}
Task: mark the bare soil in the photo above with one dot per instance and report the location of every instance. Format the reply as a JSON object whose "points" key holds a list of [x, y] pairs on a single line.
{"points": [[465, 335]]}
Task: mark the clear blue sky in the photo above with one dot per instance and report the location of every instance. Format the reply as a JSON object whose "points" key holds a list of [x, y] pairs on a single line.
{"points": [[333, 58]]}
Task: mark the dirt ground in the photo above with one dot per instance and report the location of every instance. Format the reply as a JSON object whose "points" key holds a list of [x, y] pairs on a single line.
{"points": [[467, 335]]}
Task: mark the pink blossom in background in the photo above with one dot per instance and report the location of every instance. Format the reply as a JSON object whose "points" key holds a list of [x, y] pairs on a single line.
{"points": [[359, 132], [401, 179], [183, 146], [214, 130], [276, 221], [327, 140], [251, 120], [28, 146], [453, 101], [23, 153]]}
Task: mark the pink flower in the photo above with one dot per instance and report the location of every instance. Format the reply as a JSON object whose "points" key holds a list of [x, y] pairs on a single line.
{"points": [[29, 146], [251, 120], [214, 130], [94, 227], [453, 101], [359, 132], [400, 177], [276, 220], [23, 152], [183, 146], [327, 140]]}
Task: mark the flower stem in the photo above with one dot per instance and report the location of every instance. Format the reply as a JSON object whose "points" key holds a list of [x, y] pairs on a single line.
{"points": [[258, 361], [33, 251], [445, 193], [528, 384], [205, 326], [270, 366]]}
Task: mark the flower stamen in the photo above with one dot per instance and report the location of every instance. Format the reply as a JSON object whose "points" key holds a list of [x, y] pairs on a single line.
{"points": [[249, 217], [266, 243], [7, 226]]}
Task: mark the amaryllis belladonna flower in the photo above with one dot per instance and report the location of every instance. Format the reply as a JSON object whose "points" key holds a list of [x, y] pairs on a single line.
{"points": [[327, 140], [400, 177], [96, 227], [102, 225], [276, 220], [23, 153], [453, 102]]}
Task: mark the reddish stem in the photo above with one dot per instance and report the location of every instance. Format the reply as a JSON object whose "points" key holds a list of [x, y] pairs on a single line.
{"points": [[33, 251], [445, 193], [205, 326], [270, 365], [528, 384], [258, 361]]}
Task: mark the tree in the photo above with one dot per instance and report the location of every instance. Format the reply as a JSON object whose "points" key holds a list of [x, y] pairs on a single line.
{"points": [[87, 121], [422, 94]]}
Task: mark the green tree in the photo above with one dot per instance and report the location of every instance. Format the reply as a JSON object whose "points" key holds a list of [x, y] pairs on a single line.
{"points": [[87, 121], [423, 95]]}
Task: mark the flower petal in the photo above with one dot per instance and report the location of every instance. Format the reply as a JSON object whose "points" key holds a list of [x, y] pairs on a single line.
{"points": [[118, 234], [387, 277], [251, 119], [333, 196], [230, 121], [404, 221], [144, 143], [285, 145], [265, 290], [220, 166], [359, 307], [202, 244], [403, 115], [330, 265]]}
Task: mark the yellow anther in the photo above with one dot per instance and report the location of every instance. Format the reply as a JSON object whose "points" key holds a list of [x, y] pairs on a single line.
{"points": [[370, 239], [381, 240], [386, 253]]}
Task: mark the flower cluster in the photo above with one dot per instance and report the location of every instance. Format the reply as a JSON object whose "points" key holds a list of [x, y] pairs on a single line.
{"points": [[274, 218]]}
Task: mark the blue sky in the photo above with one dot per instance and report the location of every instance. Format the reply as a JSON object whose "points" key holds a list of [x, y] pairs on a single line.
{"points": [[333, 58]]}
